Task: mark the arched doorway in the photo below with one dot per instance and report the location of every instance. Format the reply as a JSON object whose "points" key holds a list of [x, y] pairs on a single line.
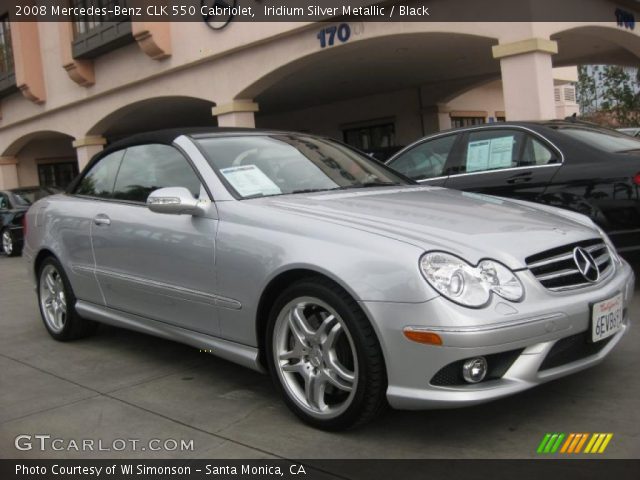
{"points": [[154, 114], [376, 94], [44, 158]]}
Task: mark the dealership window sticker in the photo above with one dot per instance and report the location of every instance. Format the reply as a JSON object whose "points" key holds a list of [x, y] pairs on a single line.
{"points": [[490, 154], [249, 180]]}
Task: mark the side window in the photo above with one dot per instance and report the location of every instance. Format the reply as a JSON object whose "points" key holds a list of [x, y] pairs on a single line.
{"points": [[492, 150], [4, 202], [99, 181], [146, 168], [536, 153], [426, 160]]}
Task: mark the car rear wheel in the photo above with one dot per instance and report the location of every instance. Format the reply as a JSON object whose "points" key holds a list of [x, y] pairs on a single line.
{"points": [[57, 304], [8, 244], [325, 357]]}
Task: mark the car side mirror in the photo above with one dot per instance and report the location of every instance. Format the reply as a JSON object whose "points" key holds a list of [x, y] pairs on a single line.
{"points": [[175, 201]]}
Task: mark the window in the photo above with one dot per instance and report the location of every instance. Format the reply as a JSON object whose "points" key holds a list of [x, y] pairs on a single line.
{"points": [[85, 23], [605, 140], [457, 122], [146, 168], [58, 175], [536, 153], [98, 34], [7, 73], [373, 137], [260, 166], [492, 150], [6, 49], [99, 181], [426, 160]]}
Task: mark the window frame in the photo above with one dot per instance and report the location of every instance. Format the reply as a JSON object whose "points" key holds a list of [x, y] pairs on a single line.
{"points": [[560, 159], [451, 158], [54, 164], [380, 123], [71, 190]]}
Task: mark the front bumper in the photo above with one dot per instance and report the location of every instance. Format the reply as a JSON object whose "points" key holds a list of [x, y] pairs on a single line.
{"points": [[531, 328]]}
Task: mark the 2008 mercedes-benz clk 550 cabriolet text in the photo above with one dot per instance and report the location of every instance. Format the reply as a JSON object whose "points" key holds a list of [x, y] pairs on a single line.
{"points": [[354, 287]]}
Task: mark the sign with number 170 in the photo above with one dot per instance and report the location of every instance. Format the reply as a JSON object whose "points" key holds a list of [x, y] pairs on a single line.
{"points": [[327, 36]]}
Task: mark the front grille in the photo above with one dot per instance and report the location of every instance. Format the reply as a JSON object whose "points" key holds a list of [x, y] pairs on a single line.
{"points": [[498, 364], [556, 269], [573, 348]]}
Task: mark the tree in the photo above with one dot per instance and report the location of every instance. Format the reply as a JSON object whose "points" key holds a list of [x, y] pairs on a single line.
{"points": [[621, 95], [586, 90], [610, 93]]}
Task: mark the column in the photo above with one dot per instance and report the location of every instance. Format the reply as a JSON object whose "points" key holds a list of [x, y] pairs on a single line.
{"points": [[8, 173], [238, 113], [444, 117], [25, 38], [527, 78], [86, 148]]}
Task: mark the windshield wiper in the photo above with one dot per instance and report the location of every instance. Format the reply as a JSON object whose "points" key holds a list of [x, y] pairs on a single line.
{"points": [[312, 190], [374, 184]]}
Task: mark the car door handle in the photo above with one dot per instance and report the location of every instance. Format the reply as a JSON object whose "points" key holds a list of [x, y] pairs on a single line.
{"points": [[521, 178], [102, 219]]}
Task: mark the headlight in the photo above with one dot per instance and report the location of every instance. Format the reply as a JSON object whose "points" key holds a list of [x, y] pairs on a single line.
{"points": [[612, 249], [467, 285]]}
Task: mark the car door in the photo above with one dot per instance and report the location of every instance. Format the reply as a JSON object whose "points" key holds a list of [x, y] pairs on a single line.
{"points": [[5, 210], [74, 216], [156, 265], [426, 162], [506, 162]]}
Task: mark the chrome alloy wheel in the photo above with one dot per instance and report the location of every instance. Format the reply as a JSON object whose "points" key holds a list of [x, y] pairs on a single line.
{"points": [[7, 243], [315, 357], [53, 302]]}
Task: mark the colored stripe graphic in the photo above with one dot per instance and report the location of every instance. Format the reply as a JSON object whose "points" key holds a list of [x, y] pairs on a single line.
{"points": [[550, 443], [581, 443], [555, 442], [543, 443], [598, 442]]}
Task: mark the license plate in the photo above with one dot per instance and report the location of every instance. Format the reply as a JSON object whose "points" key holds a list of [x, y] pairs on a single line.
{"points": [[606, 318]]}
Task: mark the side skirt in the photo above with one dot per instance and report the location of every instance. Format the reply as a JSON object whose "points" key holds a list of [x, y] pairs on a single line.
{"points": [[234, 352]]}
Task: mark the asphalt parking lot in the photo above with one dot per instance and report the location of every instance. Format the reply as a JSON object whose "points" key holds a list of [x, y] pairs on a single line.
{"points": [[120, 384]]}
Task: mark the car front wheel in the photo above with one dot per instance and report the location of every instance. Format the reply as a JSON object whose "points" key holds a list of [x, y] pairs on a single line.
{"points": [[8, 244], [325, 357], [57, 304]]}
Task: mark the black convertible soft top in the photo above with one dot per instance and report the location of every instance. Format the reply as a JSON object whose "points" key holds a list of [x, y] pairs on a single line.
{"points": [[167, 136]]}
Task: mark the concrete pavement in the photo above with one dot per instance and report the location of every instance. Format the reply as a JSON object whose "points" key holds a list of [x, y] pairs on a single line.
{"points": [[124, 385]]}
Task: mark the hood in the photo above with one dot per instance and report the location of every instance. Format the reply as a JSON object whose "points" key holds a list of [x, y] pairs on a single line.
{"points": [[473, 226]]}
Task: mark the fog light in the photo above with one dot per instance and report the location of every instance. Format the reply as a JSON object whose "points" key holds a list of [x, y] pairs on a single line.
{"points": [[474, 370]]}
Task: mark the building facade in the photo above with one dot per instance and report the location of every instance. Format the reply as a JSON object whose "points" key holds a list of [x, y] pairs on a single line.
{"points": [[69, 88]]}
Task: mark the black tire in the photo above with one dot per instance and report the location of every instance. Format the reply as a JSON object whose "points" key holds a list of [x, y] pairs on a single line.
{"points": [[13, 251], [75, 326], [369, 399]]}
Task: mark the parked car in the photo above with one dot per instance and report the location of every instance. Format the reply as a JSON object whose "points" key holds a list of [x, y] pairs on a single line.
{"points": [[572, 165], [13, 205], [634, 132], [349, 283]]}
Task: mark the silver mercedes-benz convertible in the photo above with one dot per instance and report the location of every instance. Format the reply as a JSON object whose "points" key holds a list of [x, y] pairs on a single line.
{"points": [[354, 287]]}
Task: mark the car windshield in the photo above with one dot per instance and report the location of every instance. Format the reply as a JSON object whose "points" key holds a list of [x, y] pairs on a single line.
{"points": [[606, 140], [261, 166], [25, 198]]}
